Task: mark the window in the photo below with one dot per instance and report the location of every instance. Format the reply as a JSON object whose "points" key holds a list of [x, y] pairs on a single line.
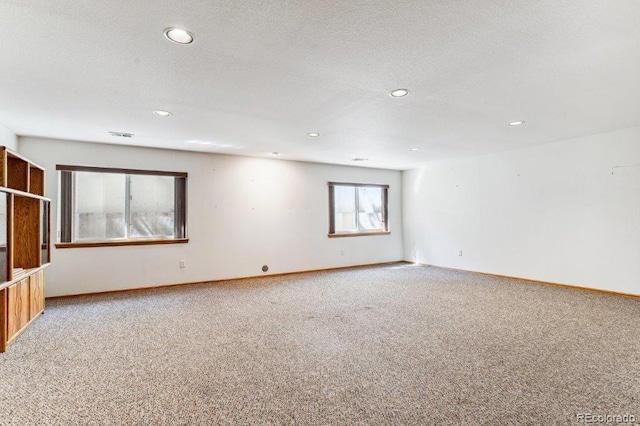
{"points": [[357, 209], [101, 206]]}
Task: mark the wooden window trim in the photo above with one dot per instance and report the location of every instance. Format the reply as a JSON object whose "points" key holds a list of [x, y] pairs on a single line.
{"points": [[118, 243], [63, 167], [374, 185], [358, 234]]}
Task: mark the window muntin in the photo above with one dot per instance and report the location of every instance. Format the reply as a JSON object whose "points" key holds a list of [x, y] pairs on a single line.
{"points": [[357, 209], [107, 205]]}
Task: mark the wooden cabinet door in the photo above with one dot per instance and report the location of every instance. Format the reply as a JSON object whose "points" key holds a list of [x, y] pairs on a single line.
{"points": [[36, 294], [17, 307]]}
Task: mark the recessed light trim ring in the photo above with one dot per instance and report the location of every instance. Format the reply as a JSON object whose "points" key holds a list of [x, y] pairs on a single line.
{"points": [[398, 93], [178, 35]]}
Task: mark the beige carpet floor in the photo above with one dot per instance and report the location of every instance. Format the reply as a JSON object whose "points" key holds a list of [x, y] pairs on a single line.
{"points": [[388, 345]]}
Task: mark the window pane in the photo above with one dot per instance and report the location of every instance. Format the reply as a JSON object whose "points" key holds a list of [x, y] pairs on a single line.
{"points": [[152, 206], [99, 206], [345, 208], [369, 208]]}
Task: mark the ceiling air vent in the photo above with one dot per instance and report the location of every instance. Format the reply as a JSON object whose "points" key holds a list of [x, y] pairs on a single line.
{"points": [[121, 135]]}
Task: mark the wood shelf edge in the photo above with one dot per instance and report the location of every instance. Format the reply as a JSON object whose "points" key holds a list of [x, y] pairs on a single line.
{"points": [[23, 193], [23, 158], [27, 274]]}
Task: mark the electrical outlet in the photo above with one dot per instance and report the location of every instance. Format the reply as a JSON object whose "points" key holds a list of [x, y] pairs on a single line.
{"points": [[183, 264], [460, 253]]}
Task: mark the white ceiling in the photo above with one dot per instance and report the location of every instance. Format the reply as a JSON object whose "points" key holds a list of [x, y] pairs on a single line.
{"points": [[262, 74]]}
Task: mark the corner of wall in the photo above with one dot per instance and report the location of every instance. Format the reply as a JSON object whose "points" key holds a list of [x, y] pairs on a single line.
{"points": [[8, 138], [559, 212]]}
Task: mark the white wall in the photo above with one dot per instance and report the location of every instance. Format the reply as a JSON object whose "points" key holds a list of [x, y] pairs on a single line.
{"points": [[242, 213], [565, 212], [8, 138]]}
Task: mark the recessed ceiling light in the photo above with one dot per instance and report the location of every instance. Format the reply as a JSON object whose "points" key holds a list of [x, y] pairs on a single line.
{"points": [[162, 113], [313, 135], [178, 35], [516, 123], [414, 149], [275, 153], [398, 93], [360, 159]]}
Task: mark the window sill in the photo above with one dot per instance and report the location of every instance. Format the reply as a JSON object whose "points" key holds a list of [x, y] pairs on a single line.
{"points": [[358, 234], [116, 243]]}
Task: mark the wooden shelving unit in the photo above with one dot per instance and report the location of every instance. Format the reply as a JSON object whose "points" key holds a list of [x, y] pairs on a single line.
{"points": [[24, 244]]}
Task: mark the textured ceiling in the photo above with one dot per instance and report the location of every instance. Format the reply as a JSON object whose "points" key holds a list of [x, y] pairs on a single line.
{"points": [[262, 74]]}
